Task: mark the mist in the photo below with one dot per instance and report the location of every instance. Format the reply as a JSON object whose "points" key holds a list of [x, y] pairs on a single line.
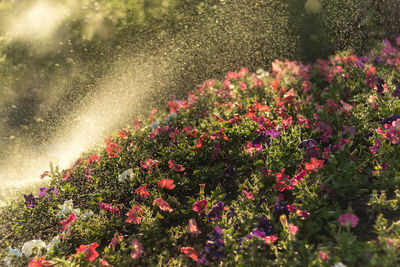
{"points": [[97, 82]]}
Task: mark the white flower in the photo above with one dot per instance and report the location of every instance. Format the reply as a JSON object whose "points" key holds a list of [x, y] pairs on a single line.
{"points": [[53, 243], [339, 264], [86, 215], [28, 247], [8, 261], [261, 73], [77, 212], [154, 125], [123, 175], [66, 208], [14, 252]]}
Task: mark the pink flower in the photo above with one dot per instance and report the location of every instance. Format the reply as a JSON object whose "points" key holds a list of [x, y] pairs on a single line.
{"points": [[166, 183], [123, 134], [93, 158], [115, 240], [112, 148], [137, 249], [40, 262], [66, 222], [133, 215], [175, 167], [293, 229], [192, 227], [142, 192], [348, 218], [243, 86], [398, 40], [149, 164], [191, 252], [89, 251], [162, 205], [374, 149], [306, 86], [323, 255], [248, 195], [314, 165], [270, 239], [104, 263], [200, 206]]}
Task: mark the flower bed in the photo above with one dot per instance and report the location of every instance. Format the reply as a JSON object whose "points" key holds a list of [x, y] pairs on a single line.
{"points": [[294, 167]]}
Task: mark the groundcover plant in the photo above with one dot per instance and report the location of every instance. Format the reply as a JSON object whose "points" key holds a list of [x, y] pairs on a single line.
{"points": [[293, 167]]}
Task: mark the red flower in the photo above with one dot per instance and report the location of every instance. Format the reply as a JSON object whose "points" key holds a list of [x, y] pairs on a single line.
{"points": [[149, 164], [200, 206], [137, 249], [142, 192], [89, 251], [133, 215], [162, 205], [175, 167], [191, 252], [123, 134], [201, 140], [40, 262], [166, 183], [289, 96], [67, 174], [262, 108], [93, 158], [112, 148], [314, 165], [281, 181]]}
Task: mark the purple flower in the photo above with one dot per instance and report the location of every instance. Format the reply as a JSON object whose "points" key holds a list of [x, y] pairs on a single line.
{"points": [[256, 233], [229, 172], [281, 207], [396, 92], [359, 64], [44, 191], [214, 248], [53, 189], [377, 60], [30, 201], [379, 84], [265, 226], [216, 211], [368, 135], [259, 138], [390, 119], [273, 133], [363, 59], [232, 213], [307, 143], [263, 229]]}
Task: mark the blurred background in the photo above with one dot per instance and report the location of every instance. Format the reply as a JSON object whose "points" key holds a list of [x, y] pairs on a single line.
{"points": [[73, 70]]}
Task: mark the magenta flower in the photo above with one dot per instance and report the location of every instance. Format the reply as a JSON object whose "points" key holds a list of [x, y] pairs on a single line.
{"points": [[348, 218], [200, 206]]}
